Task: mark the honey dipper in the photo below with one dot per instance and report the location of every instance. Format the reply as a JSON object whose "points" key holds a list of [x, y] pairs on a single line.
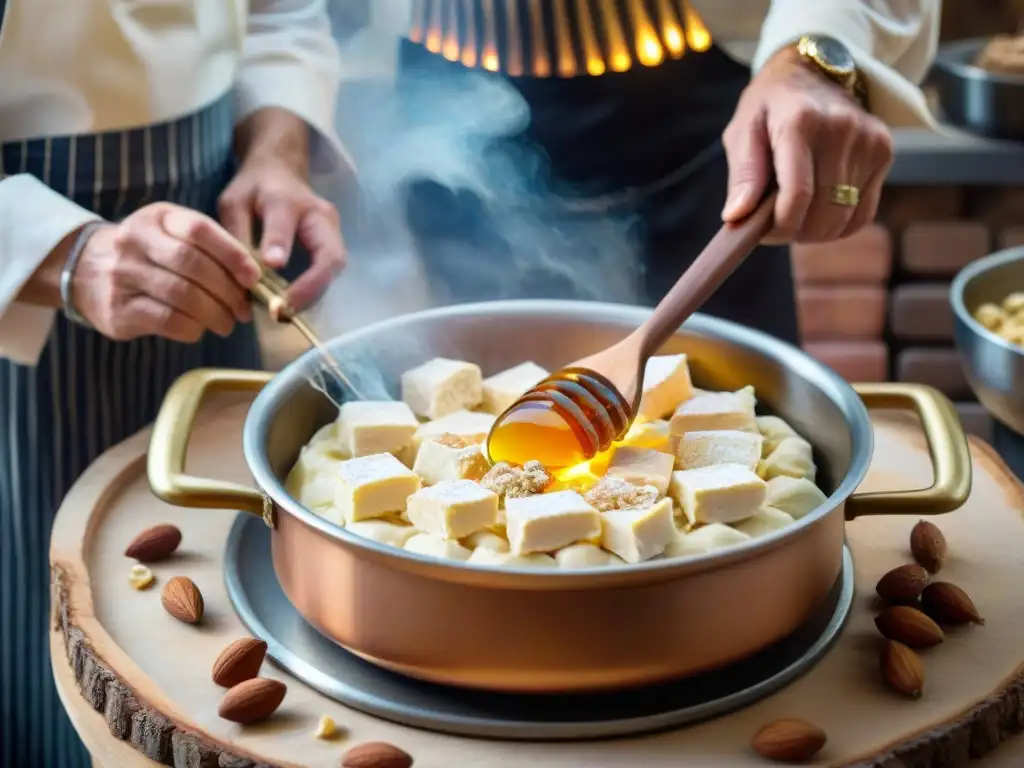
{"points": [[579, 411]]}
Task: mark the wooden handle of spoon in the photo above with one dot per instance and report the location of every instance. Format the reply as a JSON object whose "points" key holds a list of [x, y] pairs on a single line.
{"points": [[719, 259]]}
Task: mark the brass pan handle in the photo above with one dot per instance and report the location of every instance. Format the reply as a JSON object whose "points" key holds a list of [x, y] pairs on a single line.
{"points": [[168, 444], [947, 444]]}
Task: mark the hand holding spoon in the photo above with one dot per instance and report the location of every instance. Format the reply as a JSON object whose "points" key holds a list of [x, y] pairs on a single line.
{"points": [[579, 411]]}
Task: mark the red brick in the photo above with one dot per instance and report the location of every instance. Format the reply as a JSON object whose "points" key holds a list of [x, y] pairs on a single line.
{"points": [[937, 367], [902, 206], [864, 258], [853, 360], [841, 312], [976, 420], [1011, 237], [943, 248], [996, 206], [921, 312]]}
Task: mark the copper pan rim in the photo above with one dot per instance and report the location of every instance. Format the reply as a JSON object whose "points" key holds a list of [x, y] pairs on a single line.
{"points": [[293, 377]]}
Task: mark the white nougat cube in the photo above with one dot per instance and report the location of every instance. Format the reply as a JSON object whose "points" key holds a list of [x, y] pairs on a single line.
{"points": [[642, 466], [439, 460], [649, 434], [718, 446], [709, 538], [453, 509], [486, 540], [383, 531], [441, 386], [577, 556], [373, 486], [484, 556], [666, 384], [549, 521], [723, 493], [366, 427], [716, 410], [766, 520], [796, 496], [437, 546], [774, 430], [503, 389], [792, 457], [639, 534], [469, 425]]}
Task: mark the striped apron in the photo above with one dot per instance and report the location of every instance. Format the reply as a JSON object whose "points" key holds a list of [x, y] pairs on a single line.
{"points": [[86, 394]]}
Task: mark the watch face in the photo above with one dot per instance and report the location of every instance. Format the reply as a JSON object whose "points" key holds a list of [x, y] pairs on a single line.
{"points": [[833, 53]]}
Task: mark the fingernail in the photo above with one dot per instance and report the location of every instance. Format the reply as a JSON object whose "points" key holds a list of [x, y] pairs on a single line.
{"points": [[732, 203], [276, 256]]}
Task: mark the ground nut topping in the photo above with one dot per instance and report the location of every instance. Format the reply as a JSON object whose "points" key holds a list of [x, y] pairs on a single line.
{"points": [[453, 441], [511, 482], [612, 492]]}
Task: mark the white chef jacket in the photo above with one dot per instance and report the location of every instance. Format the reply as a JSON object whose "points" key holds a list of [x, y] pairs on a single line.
{"points": [[72, 67], [93, 65]]}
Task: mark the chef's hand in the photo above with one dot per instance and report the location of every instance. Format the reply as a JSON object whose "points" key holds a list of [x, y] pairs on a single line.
{"points": [[164, 271], [795, 123], [272, 186]]}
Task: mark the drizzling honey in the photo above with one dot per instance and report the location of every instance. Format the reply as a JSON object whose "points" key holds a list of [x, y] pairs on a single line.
{"points": [[568, 418]]}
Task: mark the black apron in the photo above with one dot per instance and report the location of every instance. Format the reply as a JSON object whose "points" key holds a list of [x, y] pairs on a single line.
{"points": [[619, 183]]}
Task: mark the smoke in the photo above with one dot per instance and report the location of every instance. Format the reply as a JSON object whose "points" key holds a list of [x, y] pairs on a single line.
{"points": [[446, 209]]}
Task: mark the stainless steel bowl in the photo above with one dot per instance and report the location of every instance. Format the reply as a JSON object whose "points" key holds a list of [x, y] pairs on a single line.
{"points": [[983, 102], [994, 366]]}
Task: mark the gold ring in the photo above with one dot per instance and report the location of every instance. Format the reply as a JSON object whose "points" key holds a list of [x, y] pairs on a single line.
{"points": [[844, 194]]}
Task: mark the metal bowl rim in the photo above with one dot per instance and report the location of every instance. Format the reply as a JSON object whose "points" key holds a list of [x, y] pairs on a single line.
{"points": [[833, 386], [966, 71], [969, 273]]}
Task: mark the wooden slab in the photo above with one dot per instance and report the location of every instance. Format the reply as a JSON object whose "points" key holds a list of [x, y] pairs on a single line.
{"points": [[127, 652]]}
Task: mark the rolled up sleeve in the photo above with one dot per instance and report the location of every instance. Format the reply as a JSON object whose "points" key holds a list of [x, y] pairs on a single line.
{"points": [[892, 41], [33, 221], [290, 60]]}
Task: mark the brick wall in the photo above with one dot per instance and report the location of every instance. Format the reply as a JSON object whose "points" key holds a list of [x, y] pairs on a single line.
{"points": [[875, 306]]}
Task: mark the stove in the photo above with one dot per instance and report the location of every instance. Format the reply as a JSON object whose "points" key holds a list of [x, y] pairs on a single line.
{"points": [[297, 647]]}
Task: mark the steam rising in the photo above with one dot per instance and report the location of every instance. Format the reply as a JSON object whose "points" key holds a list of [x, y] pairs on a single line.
{"points": [[433, 130]]}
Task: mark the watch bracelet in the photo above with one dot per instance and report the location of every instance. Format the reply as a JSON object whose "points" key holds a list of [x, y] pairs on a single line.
{"points": [[67, 273]]}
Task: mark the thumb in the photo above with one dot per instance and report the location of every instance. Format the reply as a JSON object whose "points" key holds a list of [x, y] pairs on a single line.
{"points": [[748, 152]]}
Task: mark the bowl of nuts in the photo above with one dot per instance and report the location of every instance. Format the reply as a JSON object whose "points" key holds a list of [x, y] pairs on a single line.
{"points": [[987, 298]]}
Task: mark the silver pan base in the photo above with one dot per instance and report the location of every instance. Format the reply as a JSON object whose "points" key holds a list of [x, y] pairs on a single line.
{"points": [[298, 648]]}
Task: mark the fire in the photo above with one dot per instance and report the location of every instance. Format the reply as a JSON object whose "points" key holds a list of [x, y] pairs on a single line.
{"points": [[697, 35], [581, 477]]}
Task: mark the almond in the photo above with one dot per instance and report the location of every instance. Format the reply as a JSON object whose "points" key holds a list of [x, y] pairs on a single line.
{"points": [[902, 669], [948, 604], [156, 543], [789, 740], [252, 701], [928, 545], [903, 584], [183, 600], [239, 661], [376, 754], [909, 626]]}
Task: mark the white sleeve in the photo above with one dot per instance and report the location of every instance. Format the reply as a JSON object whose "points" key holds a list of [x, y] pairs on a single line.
{"points": [[893, 42], [33, 220], [290, 60]]}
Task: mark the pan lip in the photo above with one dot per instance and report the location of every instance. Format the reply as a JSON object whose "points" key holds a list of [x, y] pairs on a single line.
{"points": [[959, 286], [799, 363], [965, 71]]}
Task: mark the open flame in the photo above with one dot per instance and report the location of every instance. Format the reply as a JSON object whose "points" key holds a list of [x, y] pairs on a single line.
{"points": [[581, 477], [592, 40]]}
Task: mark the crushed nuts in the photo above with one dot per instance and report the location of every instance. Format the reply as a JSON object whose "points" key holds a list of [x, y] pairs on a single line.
{"points": [[141, 577]]}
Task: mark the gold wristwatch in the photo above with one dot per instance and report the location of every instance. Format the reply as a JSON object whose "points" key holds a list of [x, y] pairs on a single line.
{"points": [[832, 59]]}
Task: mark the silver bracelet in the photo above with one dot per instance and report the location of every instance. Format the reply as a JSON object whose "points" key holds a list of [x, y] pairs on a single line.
{"points": [[68, 273]]}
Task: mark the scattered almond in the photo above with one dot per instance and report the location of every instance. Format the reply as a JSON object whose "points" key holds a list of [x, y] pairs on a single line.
{"points": [[948, 604], [902, 669], [183, 600], [903, 584], [376, 754], [928, 545], [239, 661], [789, 741], [140, 577], [153, 544], [252, 701], [909, 626], [326, 728]]}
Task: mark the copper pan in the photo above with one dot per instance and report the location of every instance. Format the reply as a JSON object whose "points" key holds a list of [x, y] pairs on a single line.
{"points": [[537, 631]]}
